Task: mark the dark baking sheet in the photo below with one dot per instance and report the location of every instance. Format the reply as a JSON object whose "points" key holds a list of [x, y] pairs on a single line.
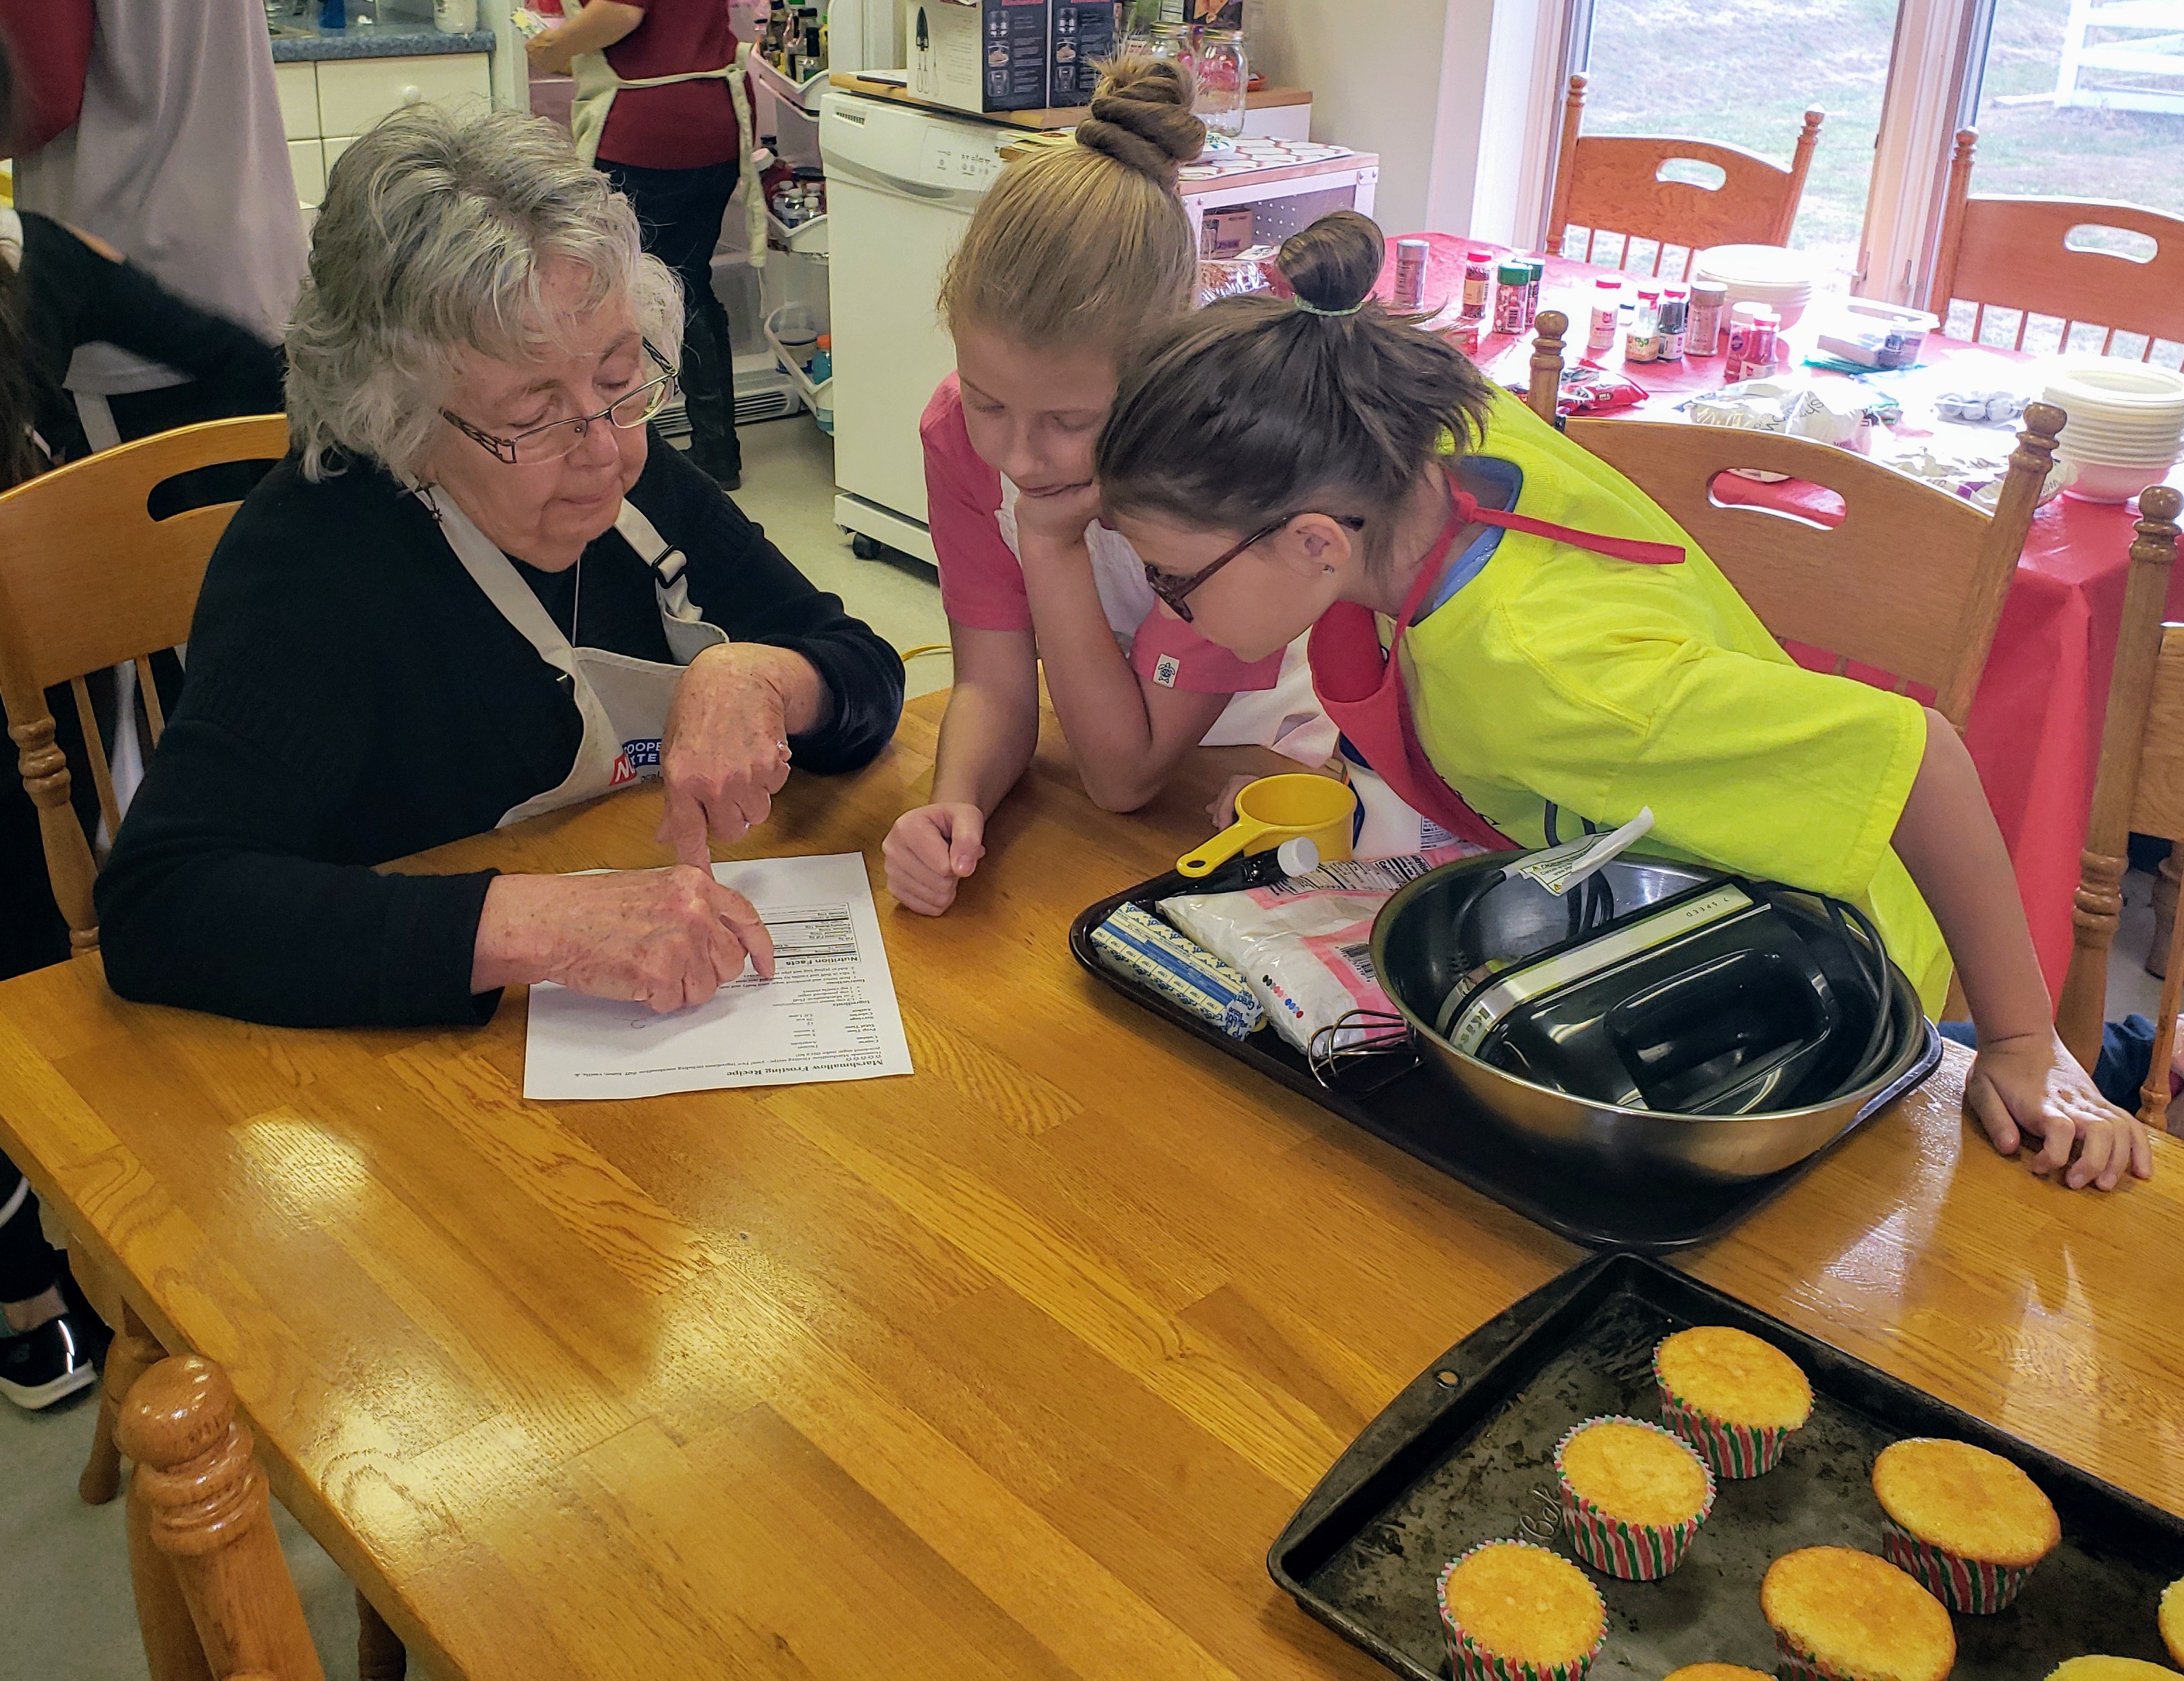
{"points": [[1429, 1116], [1463, 1455]]}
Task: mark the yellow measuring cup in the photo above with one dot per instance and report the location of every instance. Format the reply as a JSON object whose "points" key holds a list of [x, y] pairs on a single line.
{"points": [[1278, 808]]}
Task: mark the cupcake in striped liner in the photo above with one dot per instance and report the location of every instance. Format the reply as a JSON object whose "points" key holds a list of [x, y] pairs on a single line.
{"points": [[2170, 1616], [1842, 1615], [1966, 1522], [1735, 1398], [1514, 1611], [1717, 1672], [1633, 1496], [2109, 1669]]}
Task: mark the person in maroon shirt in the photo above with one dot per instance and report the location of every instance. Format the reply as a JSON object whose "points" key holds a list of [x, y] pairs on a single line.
{"points": [[672, 149]]}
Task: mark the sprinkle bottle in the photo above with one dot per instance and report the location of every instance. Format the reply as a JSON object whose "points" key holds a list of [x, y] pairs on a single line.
{"points": [[1411, 255], [1675, 314], [1709, 303], [1478, 284], [1607, 315], [1512, 280], [1642, 343]]}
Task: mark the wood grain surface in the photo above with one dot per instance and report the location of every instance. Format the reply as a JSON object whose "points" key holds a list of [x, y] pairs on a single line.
{"points": [[1011, 1368]]}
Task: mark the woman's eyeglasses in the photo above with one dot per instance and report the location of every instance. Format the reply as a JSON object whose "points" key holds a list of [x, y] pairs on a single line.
{"points": [[1174, 592], [557, 438]]}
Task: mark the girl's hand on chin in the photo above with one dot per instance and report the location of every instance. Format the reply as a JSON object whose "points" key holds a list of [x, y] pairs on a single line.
{"points": [[1058, 521]]}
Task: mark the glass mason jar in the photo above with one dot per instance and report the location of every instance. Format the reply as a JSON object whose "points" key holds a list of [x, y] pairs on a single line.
{"points": [[1224, 76]]}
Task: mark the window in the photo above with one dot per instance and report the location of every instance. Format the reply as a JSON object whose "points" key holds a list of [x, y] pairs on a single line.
{"points": [[2072, 98], [1745, 71]]}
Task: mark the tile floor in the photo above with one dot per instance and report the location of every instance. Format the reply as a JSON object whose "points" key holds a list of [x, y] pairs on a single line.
{"points": [[65, 1610]]}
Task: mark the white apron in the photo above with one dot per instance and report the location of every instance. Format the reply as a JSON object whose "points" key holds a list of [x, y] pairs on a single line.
{"points": [[597, 84], [623, 701], [1287, 717]]}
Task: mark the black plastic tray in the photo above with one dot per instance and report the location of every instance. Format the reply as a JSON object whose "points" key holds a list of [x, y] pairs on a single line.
{"points": [[1463, 1455], [1427, 1114]]}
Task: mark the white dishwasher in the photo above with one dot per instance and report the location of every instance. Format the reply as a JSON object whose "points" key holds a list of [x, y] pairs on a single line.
{"points": [[902, 183]]}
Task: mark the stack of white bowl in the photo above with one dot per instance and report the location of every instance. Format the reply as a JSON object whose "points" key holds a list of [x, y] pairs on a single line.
{"points": [[2127, 425], [1772, 274]]}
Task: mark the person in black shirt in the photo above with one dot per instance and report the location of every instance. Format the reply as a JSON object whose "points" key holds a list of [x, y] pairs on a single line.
{"points": [[476, 590]]}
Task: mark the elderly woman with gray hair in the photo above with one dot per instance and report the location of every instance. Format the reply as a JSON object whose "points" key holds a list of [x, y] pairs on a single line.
{"points": [[476, 590]]}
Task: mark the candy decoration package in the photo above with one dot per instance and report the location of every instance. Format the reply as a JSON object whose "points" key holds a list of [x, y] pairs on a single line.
{"points": [[1138, 945]]}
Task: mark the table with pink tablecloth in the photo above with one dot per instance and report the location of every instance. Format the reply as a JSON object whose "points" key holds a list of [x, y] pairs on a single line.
{"points": [[2035, 728]]}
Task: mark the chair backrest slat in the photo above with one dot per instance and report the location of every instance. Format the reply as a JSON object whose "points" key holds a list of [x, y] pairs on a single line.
{"points": [[2012, 252], [1910, 580], [154, 714], [1613, 183], [88, 580], [94, 750]]}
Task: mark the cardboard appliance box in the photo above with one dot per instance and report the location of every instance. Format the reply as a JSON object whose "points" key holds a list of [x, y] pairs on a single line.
{"points": [[1082, 33], [980, 55]]}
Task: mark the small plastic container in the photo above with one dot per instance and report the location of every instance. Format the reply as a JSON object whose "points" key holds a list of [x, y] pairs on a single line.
{"points": [[1607, 315]]}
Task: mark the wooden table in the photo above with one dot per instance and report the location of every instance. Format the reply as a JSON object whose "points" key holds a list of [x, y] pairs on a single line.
{"points": [[1012, 1368]]}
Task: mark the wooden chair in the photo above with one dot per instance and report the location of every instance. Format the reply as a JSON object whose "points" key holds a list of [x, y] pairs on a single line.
{"points": [[2139, 787], [1621, 184], [2017, 254], [1910, 580], [88, 580], [213, 1596]]}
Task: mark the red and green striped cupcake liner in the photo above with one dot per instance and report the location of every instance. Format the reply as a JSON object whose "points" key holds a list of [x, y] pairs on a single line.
{"points": [[1794, 1664], [1637, 1552], [1468, 1661], [1730, 1451], [1960, 1583]]}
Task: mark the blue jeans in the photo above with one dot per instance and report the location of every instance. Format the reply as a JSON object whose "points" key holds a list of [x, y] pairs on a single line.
{"points": [[2126, 1055]]}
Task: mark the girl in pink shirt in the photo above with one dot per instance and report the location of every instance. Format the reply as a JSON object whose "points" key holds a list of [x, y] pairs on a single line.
{"points": [[1071, 254]]}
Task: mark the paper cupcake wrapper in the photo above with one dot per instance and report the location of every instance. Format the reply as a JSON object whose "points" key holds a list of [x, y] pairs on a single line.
{"points": [[1960, 1583], [1731, 1450], [1792, 1662], [1468, 1661], [1638, 1552]]}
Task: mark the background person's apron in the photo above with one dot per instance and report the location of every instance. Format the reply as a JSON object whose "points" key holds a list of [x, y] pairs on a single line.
{"points": [[597, 84], [623, 701]]}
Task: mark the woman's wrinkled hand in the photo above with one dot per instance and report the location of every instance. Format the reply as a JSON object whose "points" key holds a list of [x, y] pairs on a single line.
{"points": [[725, 754], [2029, 1091], [929, 851], [664, 939]]}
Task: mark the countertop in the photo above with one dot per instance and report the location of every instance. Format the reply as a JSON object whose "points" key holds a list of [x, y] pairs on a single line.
{"points": [[297, 41]]}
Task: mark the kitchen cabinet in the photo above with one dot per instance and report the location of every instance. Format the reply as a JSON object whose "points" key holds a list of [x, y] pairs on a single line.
{"points": [[327, 103]]}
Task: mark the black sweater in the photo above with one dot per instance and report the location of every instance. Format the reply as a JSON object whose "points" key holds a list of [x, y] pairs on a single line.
{"points": [[72, 295], [353, 697]]}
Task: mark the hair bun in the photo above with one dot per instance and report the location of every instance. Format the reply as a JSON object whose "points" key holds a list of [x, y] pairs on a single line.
{"points": [[1335, 264], [1141, 117]]}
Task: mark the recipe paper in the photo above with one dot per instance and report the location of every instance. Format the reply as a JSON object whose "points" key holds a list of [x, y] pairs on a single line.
{"points": [[829, 1012]]}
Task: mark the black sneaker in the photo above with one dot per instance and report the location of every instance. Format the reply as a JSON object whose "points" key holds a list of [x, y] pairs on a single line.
{"points": [[46, 1364]]}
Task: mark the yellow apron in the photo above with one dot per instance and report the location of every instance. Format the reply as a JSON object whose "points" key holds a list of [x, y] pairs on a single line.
{"points": [[597, 84]]}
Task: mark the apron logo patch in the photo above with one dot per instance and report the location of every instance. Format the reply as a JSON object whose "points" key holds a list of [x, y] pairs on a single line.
{"points": [[638, 758], [1165, 670], [621, 773]]}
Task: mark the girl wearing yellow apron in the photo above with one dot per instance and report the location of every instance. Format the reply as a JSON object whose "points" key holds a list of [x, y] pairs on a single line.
{"points": [[1286, 464], [662, 109]]}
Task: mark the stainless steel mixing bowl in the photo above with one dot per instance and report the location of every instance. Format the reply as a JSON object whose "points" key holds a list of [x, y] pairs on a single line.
{"points": [[1420, 955]]}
